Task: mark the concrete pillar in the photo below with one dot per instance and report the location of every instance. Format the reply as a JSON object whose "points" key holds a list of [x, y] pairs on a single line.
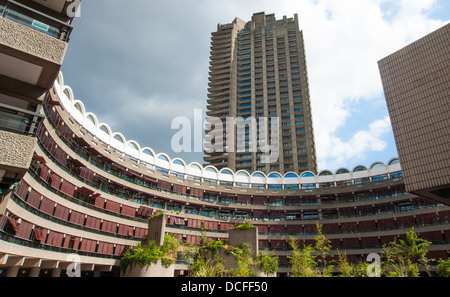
{"points": [[156, 229], [56, 272], [239, 237], [34, 272], [12, 271]]}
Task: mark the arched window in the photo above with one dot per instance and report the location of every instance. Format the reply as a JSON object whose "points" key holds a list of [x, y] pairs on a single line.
{"points": [[342, 171], [291, 175], [394, 161], [307, 174], [274, 175], [360, 168], [377, 165], [325, 173]]}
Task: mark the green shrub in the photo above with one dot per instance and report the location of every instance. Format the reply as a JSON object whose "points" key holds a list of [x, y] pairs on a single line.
{"points": [[150, 254]]}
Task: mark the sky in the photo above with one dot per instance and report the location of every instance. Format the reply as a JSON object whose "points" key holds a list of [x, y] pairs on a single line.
{"points": [[138, 65]]}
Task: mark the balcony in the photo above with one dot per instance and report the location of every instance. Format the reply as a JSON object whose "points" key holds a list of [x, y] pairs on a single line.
{"points": [[32, 49], [35, 20], [18, 120]]}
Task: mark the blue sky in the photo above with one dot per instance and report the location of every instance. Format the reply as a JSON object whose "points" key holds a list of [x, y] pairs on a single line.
{"points": [[140, 65]]}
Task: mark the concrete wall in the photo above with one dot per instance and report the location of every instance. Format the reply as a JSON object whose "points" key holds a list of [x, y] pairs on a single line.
{"points": [[16, 151], [156, 230], [155, 270], [239, 237]]}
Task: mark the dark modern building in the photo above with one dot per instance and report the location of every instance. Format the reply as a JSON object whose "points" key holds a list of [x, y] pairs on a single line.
{"points": [[258, 70], [416, 82]]}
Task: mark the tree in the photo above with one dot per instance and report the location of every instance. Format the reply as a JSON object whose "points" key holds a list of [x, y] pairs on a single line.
{"points": [[443, 268], [302, 260], [350, 269], [205, 259], [244, 260], [268, 263], [323, 246], [403, 257]]}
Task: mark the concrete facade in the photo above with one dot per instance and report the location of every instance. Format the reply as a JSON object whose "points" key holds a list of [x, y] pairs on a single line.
{"points": [[258, 70], [416, 82], [16, 151], [156, 229], [238, 237]]}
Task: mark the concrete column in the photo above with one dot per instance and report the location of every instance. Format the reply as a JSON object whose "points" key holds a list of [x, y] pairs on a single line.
{"points": [[34, 272], [56, 272], [12, 271]]}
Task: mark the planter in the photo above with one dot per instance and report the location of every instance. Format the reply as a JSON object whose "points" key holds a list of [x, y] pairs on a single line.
{"points": [[238, 237]]}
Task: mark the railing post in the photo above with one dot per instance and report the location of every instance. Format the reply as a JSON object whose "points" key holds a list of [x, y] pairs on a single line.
{"points": [[4, 9]]}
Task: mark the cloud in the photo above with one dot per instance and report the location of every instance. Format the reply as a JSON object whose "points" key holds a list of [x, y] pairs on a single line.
{"points": [[344, 40], [359, 146], [141, 65]]}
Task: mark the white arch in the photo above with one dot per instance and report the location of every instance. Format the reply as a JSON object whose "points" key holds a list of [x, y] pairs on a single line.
{"points": [[78, 111], [304, 173], [211, 172], [133, 145], [118, 142], [360, 166], [177, 167], [375, 164], [227, 177], [91, 123], [289, 173], [104, 133], [148, 155], [91, 118], [163, 157], [393, 161], [242, 176], [68, 92], [258, 177], [133, 149], [194, 169], [343, 169], [325, 173], [60, 79]]}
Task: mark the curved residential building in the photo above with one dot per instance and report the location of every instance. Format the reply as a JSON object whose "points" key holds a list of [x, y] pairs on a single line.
{"points": [[89, 191], [74, 191]]}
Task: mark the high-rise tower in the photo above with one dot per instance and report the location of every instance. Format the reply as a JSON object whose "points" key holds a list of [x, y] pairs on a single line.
{"points": [[258, 71]]}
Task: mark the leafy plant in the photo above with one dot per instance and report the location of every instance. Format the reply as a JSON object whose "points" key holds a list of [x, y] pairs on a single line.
{"points": [[244, 260], [302, 260], [351, 269], [245, 226], [151, 253], [443, 268], [403, 257], [322, 246], [268, 263]]}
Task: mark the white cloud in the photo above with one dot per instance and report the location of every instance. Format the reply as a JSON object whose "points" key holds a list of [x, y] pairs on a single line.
{"points": [[344, 41], [359, 146]]}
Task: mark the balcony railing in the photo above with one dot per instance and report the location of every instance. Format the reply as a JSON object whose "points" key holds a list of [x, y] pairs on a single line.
{"points": [[16, 120], [35, 20]]}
